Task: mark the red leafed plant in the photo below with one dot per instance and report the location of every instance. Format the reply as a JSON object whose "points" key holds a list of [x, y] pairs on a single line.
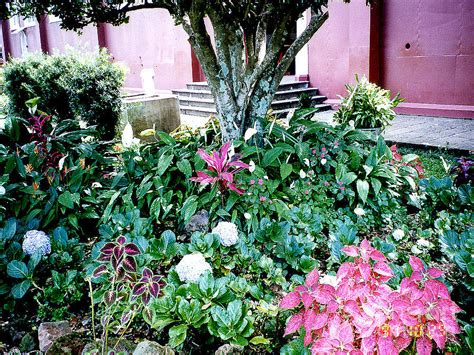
{"points": [[221, 169], [361, 314], [123, 292]]}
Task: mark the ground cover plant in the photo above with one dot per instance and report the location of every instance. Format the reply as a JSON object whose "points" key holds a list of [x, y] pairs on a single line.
{"points": [[194, 243]]}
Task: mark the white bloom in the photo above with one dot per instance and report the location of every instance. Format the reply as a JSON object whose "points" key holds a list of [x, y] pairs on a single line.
{"points": [[329, 280], [415, 250], [96, 185], [265, 177], [231, 151], [228, 233], [251, 166], [351, 123], [302, 174], [36, 241], [306, 161], [247, 215], [2, 190], [323, 161], [61, 162], [423, 243], [191, 267], [127, 136], [359, 211], [249, 133], [398, 234]]}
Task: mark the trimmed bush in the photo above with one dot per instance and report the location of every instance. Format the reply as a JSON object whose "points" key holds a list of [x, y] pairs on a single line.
{"points": [[74, 85]]}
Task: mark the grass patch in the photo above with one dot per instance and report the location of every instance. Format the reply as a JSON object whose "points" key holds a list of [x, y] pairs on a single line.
{"points": [[431, 159]]}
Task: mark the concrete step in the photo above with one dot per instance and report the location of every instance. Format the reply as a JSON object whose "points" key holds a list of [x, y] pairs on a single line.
{"points": [[198, 94], [290, 85], [206, 112], [282, 113], [294, 103], [197, 111], [276, 105]]}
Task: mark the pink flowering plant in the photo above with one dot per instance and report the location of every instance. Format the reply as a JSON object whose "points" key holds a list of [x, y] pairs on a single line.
{"points": [[361, 314], [221, 169]]}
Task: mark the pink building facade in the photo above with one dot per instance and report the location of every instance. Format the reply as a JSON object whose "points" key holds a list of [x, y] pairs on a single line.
{"points": [[423, 49]]}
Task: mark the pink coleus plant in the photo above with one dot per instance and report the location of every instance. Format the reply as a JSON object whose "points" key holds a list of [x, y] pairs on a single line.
{"points": [[361, 314], [221, 167]]}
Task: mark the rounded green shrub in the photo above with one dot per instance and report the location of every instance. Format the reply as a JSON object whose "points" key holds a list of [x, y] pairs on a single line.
{"points": [[73, 85]]}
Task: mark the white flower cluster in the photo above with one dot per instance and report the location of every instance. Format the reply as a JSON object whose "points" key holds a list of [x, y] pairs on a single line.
{"points": [[191, 267], [228, 233], [36, 241]]}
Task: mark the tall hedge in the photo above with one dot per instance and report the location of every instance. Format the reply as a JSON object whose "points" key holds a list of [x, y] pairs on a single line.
{"points": [[74, 85]]}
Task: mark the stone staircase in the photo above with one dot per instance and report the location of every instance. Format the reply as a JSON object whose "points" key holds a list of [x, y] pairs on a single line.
{"points": [[197, 100]]}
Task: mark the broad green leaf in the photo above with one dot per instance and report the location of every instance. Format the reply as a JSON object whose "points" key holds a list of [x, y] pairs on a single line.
{"points": [[17, 269], [270, 156], [177, 335], [19, 290], [185, 167], [259, 340], [163, 163], [189, 208], [285, 170], [66, 199], [363, 189]]}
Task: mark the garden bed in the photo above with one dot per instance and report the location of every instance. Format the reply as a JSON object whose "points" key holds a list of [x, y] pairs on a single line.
{"points": [[195, 244]]}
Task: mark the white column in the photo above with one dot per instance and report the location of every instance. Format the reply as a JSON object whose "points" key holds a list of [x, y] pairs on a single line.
{"points": [[301, 60]]}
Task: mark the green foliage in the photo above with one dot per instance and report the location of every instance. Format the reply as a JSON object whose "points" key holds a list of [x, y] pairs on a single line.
{"points": [[74, 85], [367, 105]]}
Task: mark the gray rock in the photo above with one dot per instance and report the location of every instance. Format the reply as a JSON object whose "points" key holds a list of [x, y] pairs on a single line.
{"points": [[198, 223], [228, 349], [151, 348], [48, 332]]}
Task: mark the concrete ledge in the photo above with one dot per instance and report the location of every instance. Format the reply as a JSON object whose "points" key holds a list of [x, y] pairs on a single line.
{"points": [[451, 111]]}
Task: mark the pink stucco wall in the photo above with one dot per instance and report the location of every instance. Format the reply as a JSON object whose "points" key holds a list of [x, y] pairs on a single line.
{"points": [[340, 48], [151, 40], [438, 66], [59, 39]]}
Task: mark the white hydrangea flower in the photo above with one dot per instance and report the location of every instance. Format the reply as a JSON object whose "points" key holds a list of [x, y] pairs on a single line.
{"points": [[306, 161], [423, 243], [302, 174], [323, 161], [2, 190], [191, 267], [398, 234], [328, 280], [36, 241], [359, 211], [228, 233], [247, 215]]}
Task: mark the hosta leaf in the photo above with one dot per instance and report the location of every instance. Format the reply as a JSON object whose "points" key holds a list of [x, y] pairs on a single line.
{"points": [[17, 269], [363, 189]]}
